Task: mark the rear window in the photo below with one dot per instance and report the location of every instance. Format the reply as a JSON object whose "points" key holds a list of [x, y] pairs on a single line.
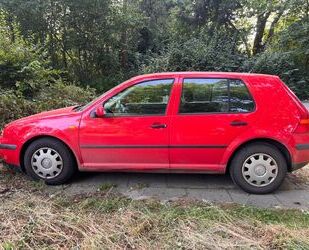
{"points": [[209, 95]]}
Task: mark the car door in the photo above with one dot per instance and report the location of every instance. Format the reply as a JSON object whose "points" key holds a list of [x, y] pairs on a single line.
{"points": [[209, 115], [134, 133]]}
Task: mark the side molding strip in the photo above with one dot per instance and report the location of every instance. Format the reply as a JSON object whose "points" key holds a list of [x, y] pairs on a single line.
{"points": [[154, 146]]}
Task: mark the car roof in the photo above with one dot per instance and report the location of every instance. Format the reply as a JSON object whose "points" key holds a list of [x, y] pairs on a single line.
{"points": [[201, 73]]}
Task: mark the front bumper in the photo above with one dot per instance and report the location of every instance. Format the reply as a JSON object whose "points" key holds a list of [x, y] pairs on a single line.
{"points": [[8, 146], [7, 151]]}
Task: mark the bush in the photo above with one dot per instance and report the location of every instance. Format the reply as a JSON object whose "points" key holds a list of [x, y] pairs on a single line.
{"points": [[282, 64], [14, 106], [29, 85], [198, 54], [63, 95]]}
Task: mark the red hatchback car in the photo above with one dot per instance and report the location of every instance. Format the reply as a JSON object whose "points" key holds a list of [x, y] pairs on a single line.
{"points": [[251, 125]]}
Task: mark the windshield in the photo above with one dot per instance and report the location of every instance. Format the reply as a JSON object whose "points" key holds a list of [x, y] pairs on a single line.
{"points": [[83, 107]]}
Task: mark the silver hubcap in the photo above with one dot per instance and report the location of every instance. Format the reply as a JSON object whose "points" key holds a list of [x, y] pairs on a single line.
{"points": [[260, 170], [47, 163]]}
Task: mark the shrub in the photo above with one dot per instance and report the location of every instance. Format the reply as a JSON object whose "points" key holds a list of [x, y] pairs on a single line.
{"points": [[63, 95], [14, 106], [284, 65], [198, 54]]}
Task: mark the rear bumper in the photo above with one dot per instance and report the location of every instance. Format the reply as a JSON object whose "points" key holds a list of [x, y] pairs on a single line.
{"points": [[296, 166], [300, 156]]}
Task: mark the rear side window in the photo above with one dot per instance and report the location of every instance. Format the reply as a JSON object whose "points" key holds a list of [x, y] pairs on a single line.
{"points": [[215, 96]]}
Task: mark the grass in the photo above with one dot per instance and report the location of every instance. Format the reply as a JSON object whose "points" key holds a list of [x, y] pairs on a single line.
{"points": [[31, 219], [107, 186], [138, 186]]}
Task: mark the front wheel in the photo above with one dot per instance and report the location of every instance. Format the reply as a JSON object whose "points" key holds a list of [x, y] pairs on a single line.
{"points": [[49, 160], [258, 168]]}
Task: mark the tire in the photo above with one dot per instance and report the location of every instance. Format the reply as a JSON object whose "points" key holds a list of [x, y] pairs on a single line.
{"points": [[258, 168], [49, 160]]}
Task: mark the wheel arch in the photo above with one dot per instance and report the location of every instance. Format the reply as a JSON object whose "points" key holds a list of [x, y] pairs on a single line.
{"points": [[33, 139], [281, 147]]}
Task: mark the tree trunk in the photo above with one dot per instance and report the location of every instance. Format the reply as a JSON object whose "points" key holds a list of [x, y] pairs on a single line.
{"points": [[10, 22], [124, 50], [260, 29], [64, 39], [51, 31], [243, 38], [273, 25]]}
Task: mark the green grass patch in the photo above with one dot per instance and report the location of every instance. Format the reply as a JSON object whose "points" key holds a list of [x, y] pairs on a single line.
{"points": [[106, 186]]}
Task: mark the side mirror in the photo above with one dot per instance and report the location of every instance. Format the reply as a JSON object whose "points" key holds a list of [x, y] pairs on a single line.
{"points": [[100, 112]]}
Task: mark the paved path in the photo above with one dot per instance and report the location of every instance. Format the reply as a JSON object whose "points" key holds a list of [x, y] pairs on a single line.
{"points": [[294, 193]]}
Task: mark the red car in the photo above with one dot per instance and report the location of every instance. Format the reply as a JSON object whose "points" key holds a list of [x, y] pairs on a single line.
{"points": [[250, 125]]}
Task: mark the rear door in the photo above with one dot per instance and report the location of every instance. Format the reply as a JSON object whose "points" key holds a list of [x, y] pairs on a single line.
{"points": [[211, 113]]}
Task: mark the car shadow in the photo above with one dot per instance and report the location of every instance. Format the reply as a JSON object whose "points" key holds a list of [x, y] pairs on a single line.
{"points": [[161, 180]]}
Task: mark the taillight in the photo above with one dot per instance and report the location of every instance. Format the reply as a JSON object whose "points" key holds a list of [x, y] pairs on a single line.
{"points": [[304, 122], [303, 126]]}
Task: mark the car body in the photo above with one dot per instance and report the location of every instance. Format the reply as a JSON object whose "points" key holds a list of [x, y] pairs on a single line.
{"points": [[172, 122]]}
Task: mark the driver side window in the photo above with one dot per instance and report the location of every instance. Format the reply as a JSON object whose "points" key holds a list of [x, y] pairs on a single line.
{"points": [[146, 98]]}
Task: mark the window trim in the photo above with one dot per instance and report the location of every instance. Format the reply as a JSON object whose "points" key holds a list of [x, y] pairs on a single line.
{"points": [[143, 115], [216, 113]]}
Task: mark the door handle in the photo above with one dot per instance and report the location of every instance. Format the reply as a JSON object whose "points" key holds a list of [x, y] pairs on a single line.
{"points": [[238, 123], [158, 125]]}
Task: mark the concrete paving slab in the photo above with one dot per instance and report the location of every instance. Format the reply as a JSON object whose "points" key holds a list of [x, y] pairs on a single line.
{"points": [[91, 182], [268, 200], [289, 185], [164, 194], [294, 198], [209, 195], [238, 196], [98, 179], [199, 181], [147, 180], [135, 194]]}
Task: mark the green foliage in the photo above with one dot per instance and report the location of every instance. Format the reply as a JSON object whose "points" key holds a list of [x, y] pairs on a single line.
{"points": [[61, 95], [198, 54], [13, 106], [29, 85], [14, 57], [22, 68], [288, 57]]}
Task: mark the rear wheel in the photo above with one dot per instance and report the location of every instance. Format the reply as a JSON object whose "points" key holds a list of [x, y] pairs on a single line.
{"points": [[258, 168], [49, 160]]}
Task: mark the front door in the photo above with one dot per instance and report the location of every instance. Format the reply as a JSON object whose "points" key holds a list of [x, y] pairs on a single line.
{"points": [[211, 114], [134, 134]]}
